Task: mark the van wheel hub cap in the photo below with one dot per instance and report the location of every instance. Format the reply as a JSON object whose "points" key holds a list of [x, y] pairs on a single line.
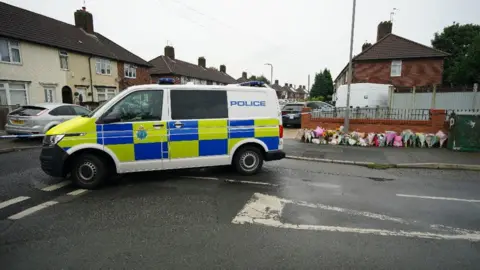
{"points": [[87, 171], [249, 161]]}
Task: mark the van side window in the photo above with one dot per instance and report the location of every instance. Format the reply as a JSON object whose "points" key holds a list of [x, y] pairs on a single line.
{"points": [[139, 106], [198, 104]]}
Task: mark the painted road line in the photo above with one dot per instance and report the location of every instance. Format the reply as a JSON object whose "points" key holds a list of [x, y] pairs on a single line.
{"points": [[250, 182], [201, 177], [347, 211], [13, 201], [438, 198], [267, 210], [231, 180], [57, 186], [32, 210], [77, 192]]}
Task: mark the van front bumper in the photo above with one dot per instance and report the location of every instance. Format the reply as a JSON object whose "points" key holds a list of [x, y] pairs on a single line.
{"points": [[274, 155], [52, 160]]}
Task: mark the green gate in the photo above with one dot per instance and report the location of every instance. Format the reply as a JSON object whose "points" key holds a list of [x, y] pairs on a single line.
{"points": [[464, 134]]}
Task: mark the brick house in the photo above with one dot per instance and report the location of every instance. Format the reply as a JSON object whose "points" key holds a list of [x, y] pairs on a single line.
{"points": [[281, 92], [395, 60], [167, 66], [46, 60]]}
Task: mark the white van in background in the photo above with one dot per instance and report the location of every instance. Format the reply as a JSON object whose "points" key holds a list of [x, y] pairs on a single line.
{"points": [[363, 95]]}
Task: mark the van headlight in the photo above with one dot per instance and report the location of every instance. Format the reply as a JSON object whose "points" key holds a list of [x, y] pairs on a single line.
{"points": [[51, 140]]}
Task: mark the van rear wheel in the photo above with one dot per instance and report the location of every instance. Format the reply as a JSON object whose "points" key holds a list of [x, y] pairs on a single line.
{"points": [[89, 171], [248, 160]]}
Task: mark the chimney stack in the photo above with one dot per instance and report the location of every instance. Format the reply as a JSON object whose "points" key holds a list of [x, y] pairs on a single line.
{"points": [[84, 20], [202, 62], [290, 85], [244, 75], [276, 82], [366, 45], [286, 85], [170, 52], [383, 29], [223, 68]]}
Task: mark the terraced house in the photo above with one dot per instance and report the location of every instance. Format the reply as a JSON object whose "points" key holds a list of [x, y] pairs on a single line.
{"points": [[46, 60], [168, 66]]}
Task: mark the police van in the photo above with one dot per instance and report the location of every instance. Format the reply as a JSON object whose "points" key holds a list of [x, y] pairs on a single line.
{"points": [[165, 126]]}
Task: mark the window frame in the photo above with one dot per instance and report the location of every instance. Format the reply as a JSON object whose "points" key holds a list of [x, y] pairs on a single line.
{"points": [[63, 54], [396, 68], [45, 90], [163, 110], [8, 90], [130, 71], [203, 92], [106, 64], [106, 92], [9, 48]]}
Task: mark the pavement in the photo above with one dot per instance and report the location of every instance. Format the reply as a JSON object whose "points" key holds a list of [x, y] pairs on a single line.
{"points": [[292, 215], [381, 155]]}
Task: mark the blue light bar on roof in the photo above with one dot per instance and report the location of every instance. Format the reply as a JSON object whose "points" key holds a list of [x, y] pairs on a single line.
{"points": [[166, 81], [253, 83]]}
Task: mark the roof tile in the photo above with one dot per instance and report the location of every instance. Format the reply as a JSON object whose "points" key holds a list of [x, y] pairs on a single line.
{"points": [[21, 24]]}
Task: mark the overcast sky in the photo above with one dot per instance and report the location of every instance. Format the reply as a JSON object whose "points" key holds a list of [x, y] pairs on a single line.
{"points": [[298, 37]]}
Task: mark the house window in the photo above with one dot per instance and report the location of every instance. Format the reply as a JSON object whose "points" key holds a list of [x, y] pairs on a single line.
{"points": [[130, 71], [49, 95], [104, 94], [9, 51], [103, 66], [63, 60], [396, 68], [13, 93]]}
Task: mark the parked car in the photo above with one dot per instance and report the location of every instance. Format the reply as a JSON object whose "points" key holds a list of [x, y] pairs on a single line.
{"points": [[291, 112], [39, 118]]}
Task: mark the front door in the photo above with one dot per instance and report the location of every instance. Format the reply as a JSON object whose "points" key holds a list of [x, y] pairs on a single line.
{"points": [[138, 138]]}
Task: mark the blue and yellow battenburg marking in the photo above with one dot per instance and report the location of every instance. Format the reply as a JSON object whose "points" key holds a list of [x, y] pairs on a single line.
{"points": [[139, 141]]}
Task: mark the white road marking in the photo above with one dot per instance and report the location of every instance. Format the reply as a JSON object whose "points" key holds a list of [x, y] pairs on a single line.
{"points": [[347, 211], [231, 180], [201, 177], [57, 186], [32, 210], [438, 198], [250, 182], [266, 210], [77, 192], [13, 201]]}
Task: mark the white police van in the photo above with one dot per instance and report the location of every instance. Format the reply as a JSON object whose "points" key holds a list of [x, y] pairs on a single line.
{"points": [[165, 126]]}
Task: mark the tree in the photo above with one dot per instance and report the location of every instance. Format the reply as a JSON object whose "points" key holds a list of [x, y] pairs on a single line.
{"points": [[458, 41], [259, 78], [323, 85]]}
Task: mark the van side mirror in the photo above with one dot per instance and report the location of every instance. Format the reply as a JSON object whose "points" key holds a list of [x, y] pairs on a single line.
{"points": [[112, 117]]}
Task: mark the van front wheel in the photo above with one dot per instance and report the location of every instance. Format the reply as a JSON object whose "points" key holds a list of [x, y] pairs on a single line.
{"points": [[89, 171], [248, 160]]}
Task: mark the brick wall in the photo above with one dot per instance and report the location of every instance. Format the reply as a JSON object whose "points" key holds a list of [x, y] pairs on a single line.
{"points": [[143, 76], [415, 72], [436, 123]]}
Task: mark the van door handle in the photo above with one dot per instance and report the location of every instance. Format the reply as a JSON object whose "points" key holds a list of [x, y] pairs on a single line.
{"points": [[178, 124], [158, 125]]}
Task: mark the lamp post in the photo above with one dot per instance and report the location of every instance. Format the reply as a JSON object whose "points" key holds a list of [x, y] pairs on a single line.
{"points": [[346, 122], [271, 72]]}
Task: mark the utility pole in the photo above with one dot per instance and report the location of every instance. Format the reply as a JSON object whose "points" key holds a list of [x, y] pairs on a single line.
{"points": [[346, 122], [308, 87], [271, 72]]}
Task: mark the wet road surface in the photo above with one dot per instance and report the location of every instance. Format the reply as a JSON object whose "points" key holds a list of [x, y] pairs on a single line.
{"points": [[293, 215]]}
